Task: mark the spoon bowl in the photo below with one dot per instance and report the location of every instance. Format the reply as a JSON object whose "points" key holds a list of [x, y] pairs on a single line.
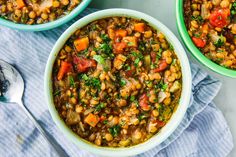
{"points": [[11, 84]]}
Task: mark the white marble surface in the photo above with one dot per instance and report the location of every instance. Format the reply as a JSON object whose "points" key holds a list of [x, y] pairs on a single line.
{"points": [[164, 11]]}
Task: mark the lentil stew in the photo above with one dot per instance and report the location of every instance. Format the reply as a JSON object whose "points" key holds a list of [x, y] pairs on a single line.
{"points": [[211, 24], [116, 82], [36, 11]]}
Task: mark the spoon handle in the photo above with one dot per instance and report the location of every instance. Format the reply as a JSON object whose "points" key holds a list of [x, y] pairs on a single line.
{"points": [[51, 141]]}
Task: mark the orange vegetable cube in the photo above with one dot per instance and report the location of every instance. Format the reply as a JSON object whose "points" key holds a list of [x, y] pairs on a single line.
{"points": [[131, 41], [121, 33], [81, 44], [65, 67], [92, 119], [139, 27], [20, 3]]}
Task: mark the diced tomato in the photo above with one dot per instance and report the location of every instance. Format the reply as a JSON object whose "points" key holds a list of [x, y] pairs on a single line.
{"points": [[161, 66], [119, 47], [83, 64], [219, 18], [160, 123], [199, 42], [102, 118], [153, 56], [143, 102], [64, 68]]}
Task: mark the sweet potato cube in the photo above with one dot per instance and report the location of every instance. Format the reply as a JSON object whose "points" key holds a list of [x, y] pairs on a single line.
{"points": [[139, 27], [131, 41], [92, 119], [81, 44]]}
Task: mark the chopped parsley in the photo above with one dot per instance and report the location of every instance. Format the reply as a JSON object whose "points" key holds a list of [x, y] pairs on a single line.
{"points": [[72, 82], [57, 93], [136, 62], [115, 130], [142, 116], [163, 86], [99, 107], [91, 81], [122, 82], [105, 121], [197, 18], [141, 46], [233, 10], [105, 38], [219, 42], [171, 47]]}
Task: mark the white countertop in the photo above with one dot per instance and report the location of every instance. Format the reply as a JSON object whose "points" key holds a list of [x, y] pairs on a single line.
{"points": [[164, 11]]}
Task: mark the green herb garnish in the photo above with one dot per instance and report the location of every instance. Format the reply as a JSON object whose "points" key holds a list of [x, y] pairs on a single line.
{"points": [[219, 42], [122, 82], [99, 107], [115, 130], [197, 18], [72, 82]]}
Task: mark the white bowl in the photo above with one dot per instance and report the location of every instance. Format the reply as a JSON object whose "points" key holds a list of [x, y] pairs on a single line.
{"points": [[176, 118]]}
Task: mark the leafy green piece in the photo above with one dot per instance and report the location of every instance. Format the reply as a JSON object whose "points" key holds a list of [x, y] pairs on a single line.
{"points": [[105, 38], [105, 121], [233, 10], [136, 62], [142, 116], [122, 82], [197, 18], [99, 107], [132, 98], [115, 130], [93, 82], [171, 47], [72, 82], [99, 59], [163, 86], [142, 46], [219, 42], [57, 93]]}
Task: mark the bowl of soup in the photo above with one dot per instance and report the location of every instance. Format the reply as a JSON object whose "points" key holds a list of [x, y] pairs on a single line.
{"points": [[117, 82], [208, 30], [39, 15]]}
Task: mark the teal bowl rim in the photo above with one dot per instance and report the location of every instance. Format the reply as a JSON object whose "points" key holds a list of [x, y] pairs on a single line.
{"points": [[193, 49], [49, 25]]}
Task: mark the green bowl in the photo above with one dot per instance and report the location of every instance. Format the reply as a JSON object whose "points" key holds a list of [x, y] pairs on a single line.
{"points": [[193, 49], [49, 25]]}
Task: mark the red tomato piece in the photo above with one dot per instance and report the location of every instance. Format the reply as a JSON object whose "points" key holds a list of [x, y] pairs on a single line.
{"points": [[199, 42], [219, 18], [83, 64], [143, 102], [161, 66]]}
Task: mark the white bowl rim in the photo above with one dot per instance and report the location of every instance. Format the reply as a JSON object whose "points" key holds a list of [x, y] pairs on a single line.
{"points": [[176, 118]]}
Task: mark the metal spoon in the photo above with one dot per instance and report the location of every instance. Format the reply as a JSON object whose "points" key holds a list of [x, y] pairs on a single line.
{"points": [[11, 91]]}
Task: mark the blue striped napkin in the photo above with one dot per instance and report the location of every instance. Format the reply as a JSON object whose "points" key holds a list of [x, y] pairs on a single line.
{"points": [[203, 131]]}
